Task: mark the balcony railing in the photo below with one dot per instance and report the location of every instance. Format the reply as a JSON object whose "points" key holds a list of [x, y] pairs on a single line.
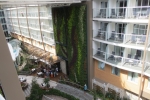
{"points": [[122, 12], [44, 14], [21, 14], [32, 14], [36, 37], [48, 40], [119, 60], [120, 37], [33, 25], [26, 34]]}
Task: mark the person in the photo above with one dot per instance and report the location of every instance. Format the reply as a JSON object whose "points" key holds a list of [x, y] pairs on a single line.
{"points": [[85, 88], [44, 70], [56, 70], [54, 73], [51, 74], [47, 73]]}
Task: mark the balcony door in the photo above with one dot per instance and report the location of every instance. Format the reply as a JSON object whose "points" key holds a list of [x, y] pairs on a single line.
{"points": [[120, 28], [104, 4], [103, 47], [118, 51], [104, 26], [140, 29], [121, 4]]}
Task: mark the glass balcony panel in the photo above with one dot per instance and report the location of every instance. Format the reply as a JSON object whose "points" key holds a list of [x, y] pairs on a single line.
{"points": [[147, 67], [100, 34], [48, 40], [114, 59], [134, 39], [115, 37], [99, 54], [118, 60], [100, 13]]}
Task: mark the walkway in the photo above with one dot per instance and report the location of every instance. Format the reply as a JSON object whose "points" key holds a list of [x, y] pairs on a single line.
{"points": [[62, 87]]}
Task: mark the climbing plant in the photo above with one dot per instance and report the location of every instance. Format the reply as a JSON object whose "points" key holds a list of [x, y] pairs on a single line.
{"points": [[71, 37]]}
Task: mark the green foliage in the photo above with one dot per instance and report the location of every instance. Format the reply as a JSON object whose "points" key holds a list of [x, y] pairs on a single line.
{"points": [[28, 66], [37, 93], [46, 81], [70, 32], [21, 60], [62, 94]]}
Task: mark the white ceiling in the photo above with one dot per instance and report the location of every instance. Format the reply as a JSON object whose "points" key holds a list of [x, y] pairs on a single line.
{"points": [[14, 3]]}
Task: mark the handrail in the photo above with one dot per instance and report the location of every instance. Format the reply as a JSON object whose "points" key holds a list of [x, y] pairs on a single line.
{"points": [[125, 7], [119, 33], [118, 56]]}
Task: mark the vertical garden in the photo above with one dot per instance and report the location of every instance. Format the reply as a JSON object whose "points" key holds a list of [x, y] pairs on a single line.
{"points": [[70, 31]]}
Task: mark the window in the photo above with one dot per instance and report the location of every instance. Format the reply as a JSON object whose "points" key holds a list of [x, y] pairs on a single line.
{"points": [[133, 77], [101, 65], [149, 83], [115, 71]]}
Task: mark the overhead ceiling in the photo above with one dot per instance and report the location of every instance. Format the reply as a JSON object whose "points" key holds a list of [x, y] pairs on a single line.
{"points": [[12, 3]]}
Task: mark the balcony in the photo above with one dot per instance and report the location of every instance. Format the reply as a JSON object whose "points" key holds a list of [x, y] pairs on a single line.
{"points": [[122, 12], [26, 34], [120, 38], [147, 68], [36, 37], [33, 14], [48, 40], [44, 14], [33, 25], [127, 63]]}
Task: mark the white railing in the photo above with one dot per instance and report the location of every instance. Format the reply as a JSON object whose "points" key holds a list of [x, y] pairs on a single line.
{"points": [[48, 40], [122, 12], [36, 37], [25, 34], [117, 59], [33, 14], [33, 25], [120, 37]]}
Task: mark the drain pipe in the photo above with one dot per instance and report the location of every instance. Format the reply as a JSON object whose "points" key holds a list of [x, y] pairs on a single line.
{"points": [[143, 61]]}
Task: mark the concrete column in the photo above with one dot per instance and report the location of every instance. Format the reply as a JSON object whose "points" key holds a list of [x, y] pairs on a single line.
{"points": [[8, 74]]}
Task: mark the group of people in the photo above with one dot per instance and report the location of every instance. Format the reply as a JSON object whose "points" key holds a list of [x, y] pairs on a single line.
{"points": [[52, 72]]}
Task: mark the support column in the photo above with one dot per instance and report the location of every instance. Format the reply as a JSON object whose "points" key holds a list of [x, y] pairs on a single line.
{"points": [[8, 74]]}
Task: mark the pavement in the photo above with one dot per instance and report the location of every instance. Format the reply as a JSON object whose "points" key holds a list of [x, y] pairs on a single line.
{"points": [[61, 87]]}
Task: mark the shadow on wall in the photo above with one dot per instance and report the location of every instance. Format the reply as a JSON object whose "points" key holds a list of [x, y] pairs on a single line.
{"points": [[70, 33]]}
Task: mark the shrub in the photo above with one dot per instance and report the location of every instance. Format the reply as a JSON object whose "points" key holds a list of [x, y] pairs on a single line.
{"points": [[37, 93]]}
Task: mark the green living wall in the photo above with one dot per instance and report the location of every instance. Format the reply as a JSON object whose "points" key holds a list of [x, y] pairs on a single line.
{"points": [[70, 31]]}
